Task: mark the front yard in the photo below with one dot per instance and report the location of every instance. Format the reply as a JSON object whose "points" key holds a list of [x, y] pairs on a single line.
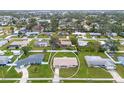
{"points": [[10, 74], [40, 71], [86, 72]]}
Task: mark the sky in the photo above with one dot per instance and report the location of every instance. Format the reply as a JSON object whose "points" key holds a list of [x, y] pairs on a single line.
{"points": [[61, 4]]}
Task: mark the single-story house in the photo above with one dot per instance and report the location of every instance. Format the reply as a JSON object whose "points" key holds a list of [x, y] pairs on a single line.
{"points": [[8, 38], [97, 61], [102, 42], [2, 52], [16, 32], [121, 34], [3, 42], [121, 59], [95, 34], [79, 34], [114, 34], [16, 52], [81, 42], [18, 44], [65, 62], [122, 42], [4, 60], [31, 33], [33, 59], [65, 42], [42, 42]]}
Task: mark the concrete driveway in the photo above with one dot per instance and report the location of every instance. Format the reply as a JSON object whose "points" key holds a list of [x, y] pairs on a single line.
{"points": [[24, 75], [56, 76], [116, 76]]}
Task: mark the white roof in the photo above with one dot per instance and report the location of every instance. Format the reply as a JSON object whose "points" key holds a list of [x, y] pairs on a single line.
{"points": [[79, 33], [21, 43], [65, 61]]}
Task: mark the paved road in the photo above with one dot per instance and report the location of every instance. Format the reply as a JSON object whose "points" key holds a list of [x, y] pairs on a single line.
{"points": [[56, 76], [54, 51], [94, 79], [116, 76]]}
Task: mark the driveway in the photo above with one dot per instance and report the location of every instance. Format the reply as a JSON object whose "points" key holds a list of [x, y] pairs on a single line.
{"points": [[24, 75], [56, 76], [116, 76]]}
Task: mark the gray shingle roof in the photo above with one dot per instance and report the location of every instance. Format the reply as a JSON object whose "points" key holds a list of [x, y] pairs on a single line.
{"points": [[33, 59]]}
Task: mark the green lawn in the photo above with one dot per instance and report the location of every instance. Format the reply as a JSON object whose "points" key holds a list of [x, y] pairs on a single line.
{"points": [[3, 36], [121, 48], [10, 74], [85, 72], [120, 70], [8, 81], [67, 72], [43, 36], [64, 54], [40, 71]]}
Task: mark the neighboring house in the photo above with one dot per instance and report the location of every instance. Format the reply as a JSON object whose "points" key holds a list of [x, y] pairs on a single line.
{"points": [[121, 59], [97, 61], [122, 43], [95, 34], [16, 52], [4, 60], [114, 34], [44, 42], [110, 34], [121, 34], [65, 62], [3, 42], [81, 42], [2, 52], [65, 42], [31, 33], [79, 34], [31, 60], [41, 43], [16, 32], [18, 44], [102, 42]]}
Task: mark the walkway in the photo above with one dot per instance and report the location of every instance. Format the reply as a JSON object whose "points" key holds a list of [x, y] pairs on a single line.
{"points": [[56, 76], [13, 64]]}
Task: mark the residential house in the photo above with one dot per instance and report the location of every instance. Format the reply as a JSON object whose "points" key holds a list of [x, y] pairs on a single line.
{"points": [[97, 61], [65, 42], [3, 42], [81, 42], [4, 60], [65, 62], [42, 43]]}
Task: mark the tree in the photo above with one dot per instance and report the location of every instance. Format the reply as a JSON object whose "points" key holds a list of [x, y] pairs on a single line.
{"points": [[73, 40], [54, 23], [26, 49], [32, 23], [97, 46], [111, 45], [12, 29]]}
